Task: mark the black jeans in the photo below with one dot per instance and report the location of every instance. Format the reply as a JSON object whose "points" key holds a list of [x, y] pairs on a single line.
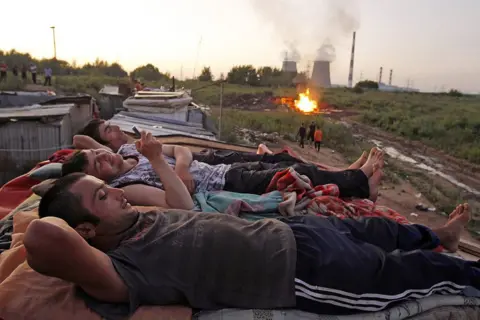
{"points": [[214, 157], [302, 141], [34, 78], [317, 145], [48, 81], [254, 177]]}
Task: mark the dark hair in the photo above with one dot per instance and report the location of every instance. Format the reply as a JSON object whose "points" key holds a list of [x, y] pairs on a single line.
{"points": [[77, 162], [92, 130], [59, 202]]}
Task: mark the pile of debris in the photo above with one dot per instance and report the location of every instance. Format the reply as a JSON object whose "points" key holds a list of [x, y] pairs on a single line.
{"points": [[249, 101], [256, 137]]}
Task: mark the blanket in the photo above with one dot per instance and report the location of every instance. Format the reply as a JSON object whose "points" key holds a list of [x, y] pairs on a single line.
{"points": [[17, 190], [292, 194]]}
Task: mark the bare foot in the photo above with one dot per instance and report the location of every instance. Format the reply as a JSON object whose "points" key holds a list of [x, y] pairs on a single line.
{"points": [[374, 182], [449, 234], [262, 149], [360, 162], [375, 156]]}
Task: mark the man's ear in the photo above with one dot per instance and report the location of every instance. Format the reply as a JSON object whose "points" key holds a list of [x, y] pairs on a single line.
{"points": [[86, 230]]}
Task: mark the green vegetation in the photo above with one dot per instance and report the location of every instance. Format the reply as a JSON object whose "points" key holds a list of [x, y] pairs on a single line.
{"points": [[447, 121]]}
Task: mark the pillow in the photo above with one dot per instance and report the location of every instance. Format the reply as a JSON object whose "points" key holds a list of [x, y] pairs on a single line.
{"points": [[41, 188], [48, 171]]}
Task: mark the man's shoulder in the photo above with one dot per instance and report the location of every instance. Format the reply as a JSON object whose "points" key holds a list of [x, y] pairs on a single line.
{"points": [[127, 148]]}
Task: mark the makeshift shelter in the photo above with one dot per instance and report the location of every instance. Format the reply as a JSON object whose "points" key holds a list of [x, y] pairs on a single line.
{"points": [[31, 134]]}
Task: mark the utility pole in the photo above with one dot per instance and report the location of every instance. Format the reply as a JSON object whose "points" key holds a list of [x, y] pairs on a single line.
{"points": [[221, 111], [54, 44]]}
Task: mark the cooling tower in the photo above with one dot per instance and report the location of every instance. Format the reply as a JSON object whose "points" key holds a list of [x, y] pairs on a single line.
{"points": [[352, 58], [321, 74], [289, 66]]}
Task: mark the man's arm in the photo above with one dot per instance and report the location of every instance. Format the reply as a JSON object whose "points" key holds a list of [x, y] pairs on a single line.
{"points": [[183, 156], [143, 195], [176, 193], [85, 142], [55, 249]]}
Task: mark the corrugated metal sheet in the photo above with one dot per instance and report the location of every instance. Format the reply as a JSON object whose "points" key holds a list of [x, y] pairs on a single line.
{"points": [[35, 111], [20, 99], [25, 143], [160, 128]]}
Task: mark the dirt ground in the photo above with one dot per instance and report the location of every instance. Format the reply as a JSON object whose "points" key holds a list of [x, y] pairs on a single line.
{"points": [[400, 196]]}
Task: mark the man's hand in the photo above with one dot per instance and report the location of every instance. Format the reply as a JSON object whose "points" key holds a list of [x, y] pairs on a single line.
{"points": [[184, 175], [149, 147]]}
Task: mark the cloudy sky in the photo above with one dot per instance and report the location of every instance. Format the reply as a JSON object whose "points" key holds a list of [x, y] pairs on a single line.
{"points": [[428, 43]]}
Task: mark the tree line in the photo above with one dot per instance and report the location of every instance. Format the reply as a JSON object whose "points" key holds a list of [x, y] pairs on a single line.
{"points": [[241, 74]]}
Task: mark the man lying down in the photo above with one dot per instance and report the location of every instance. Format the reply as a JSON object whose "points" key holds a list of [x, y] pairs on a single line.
{"points": [[147, 177], [120, 259], [101, 134]]}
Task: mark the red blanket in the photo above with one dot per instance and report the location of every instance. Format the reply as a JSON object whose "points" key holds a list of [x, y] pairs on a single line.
{"points": [[17, 190], [301, 197]]}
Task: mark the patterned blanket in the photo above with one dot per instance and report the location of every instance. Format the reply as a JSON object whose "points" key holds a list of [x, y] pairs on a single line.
{"points": [[291, 194]]}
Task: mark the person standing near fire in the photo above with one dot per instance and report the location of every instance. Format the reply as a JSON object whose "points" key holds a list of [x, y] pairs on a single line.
{"points": [[302, 132], [3, 71], [311, 132], [318, 137]]}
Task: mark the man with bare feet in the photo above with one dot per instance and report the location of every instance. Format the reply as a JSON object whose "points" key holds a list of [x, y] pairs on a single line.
{"points": [[89, 235], [142, 178]]}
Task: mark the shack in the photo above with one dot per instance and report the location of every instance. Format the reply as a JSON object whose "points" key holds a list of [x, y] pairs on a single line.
{"points": [[32, 133]]}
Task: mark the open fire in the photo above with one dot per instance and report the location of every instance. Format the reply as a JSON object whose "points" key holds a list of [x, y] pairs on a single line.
{"points": [[304, 103]]}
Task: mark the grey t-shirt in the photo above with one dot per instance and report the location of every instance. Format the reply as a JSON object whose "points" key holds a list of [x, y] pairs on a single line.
{"points": [[206, 177], [206, 261]]}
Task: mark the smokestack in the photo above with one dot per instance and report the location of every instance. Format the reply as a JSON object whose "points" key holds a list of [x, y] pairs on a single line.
{"points": [[380, 75], [321, 74], [289, 66], [390, 78], [350, 73]]}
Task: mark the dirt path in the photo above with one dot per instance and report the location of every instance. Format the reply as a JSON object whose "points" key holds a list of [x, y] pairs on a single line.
{"points": [[400, 195]]}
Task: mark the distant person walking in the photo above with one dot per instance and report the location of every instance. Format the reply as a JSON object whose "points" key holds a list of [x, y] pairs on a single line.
{"points": [[318, 139], [3, 71], [311, 132], [302, 132], [48, 76], [15, 71], [33, 71], [24, 72]]}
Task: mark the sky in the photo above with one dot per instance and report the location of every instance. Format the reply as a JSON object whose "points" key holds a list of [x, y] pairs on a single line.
{"points": [[430, 44]]}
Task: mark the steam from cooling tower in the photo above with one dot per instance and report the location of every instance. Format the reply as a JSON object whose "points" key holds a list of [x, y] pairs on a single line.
{"points": [[326, 52], [310, 26]]}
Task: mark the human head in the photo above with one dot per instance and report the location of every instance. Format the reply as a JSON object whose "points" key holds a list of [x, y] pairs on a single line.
{"points": [[100, 163], [105, 133], [87, 204]]}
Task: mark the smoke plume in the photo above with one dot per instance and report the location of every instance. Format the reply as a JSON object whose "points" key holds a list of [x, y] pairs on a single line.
{"points": [[310, 25]]}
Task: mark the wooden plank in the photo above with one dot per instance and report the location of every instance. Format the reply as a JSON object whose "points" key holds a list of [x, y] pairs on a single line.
{"points": [[470, 247]]}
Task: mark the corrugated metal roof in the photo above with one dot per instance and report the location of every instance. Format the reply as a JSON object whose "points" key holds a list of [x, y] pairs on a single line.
{"points": [[160, 127], [37, 111], [20, 99]]}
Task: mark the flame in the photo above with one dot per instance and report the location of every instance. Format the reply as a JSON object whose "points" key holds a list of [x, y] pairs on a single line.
{"points": [[305, 104]]}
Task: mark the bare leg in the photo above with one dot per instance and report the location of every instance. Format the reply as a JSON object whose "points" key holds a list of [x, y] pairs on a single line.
{"points": [[262, 149], [449, 234], [360, 162], [374, 157]]}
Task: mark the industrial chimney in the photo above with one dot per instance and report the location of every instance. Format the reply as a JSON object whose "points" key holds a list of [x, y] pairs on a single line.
{"points": [[380, 75], [321, 74], [390, 78], [350, 72], [289, 66]]}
